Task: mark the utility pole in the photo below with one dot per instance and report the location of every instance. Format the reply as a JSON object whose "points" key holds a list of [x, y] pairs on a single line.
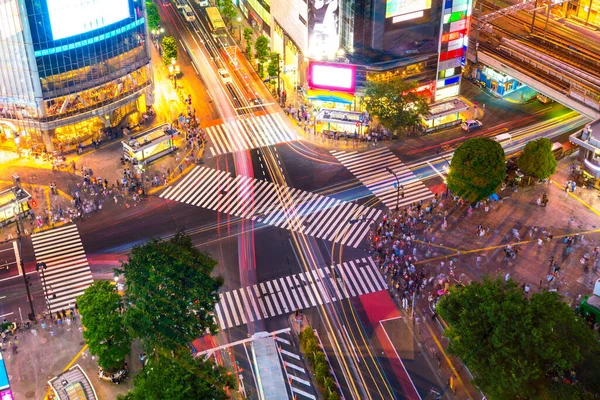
{"points": [[398, 188], [41, 267], [534, 13], [17, 209]]}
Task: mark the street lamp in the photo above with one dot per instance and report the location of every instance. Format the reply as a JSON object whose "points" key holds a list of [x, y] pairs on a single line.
{"points": [[398, 187], [439, 153], [239, 19], [173, 70], [41, 267]]}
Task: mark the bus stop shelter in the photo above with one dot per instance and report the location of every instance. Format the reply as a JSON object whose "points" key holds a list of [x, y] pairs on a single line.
{"points": [[337, 121], [149, 145]]}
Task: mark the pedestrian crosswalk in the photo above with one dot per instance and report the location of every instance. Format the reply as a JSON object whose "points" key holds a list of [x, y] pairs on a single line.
{"points": [[265, 202], [299, 291], [370, 167], [299, 379], [244, 133], [68, 273]]}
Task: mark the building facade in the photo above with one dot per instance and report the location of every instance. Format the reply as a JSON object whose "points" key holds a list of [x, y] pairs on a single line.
{"points": [[68, 70], [421, 40]]}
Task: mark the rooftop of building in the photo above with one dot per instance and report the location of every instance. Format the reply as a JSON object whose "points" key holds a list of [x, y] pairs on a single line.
{"points": [[73, 384]]}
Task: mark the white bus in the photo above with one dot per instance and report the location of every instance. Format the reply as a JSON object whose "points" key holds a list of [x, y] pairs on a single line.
{"points": [[188, 13]]}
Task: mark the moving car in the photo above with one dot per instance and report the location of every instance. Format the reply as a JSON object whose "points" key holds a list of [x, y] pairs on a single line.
{"points": [[471, 124], [543, 99], [225, 77], [188, 13], [202, 3]]}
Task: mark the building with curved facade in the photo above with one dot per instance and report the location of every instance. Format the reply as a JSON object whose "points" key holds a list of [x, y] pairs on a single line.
{"points": [[71, 68]]}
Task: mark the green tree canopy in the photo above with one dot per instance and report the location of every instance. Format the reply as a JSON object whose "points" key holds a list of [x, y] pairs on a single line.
{"points": [[170, 292], [101, 314], [169, 47], [153, 15], [181, 378], [261, 48], [477, 170], [248, 34], [513, 345], [537, 159], [273, 67], [395, 103], [228, 10]]}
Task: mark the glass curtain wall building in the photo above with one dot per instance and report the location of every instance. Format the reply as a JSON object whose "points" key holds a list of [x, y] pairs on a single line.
{"points": [[69, 69]]}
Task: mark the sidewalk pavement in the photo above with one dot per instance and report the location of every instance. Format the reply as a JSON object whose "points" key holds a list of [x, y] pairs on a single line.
{"points": [[45, 353]]}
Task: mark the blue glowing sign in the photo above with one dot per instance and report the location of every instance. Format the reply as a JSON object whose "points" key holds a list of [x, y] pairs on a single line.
{"points": [[4, 384]]}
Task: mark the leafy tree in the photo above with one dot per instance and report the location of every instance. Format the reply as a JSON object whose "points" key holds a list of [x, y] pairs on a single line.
{"points": [[395, 103], [153, 15], [513, 345], [170, 292], [477, 169], [273, 66], [228, 10], [101, 314], [248, 34], [537, 159], [181, 378], [261, 49], [169, 47]]}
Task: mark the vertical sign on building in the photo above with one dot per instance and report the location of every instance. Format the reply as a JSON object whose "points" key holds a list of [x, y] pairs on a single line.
{"points": [[454, 39]]}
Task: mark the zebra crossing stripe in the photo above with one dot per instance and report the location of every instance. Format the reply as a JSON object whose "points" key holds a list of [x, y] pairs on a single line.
{"points": [[286, 294], [293, 209], [370, 168], [68, 273], [249, 132]]}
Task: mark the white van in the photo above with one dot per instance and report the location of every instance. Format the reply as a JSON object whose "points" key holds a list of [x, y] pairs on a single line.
{"points": [[505, 137], [188, 13], [202, 3]]}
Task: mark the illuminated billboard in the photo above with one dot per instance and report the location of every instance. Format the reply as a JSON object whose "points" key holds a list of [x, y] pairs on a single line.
{"points": [[70, 18], [323, 28], [337, 77], [403, 10]]}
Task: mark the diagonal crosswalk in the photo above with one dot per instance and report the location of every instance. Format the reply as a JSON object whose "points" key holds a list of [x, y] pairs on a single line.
{"points": [[370, 168], [249, 132], [299, 291], [68, 273], [265, 202]]}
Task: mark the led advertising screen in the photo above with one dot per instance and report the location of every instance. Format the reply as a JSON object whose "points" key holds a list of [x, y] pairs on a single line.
{"points": [[323, 28], [408, 8], [337, 77], [73, 17]]}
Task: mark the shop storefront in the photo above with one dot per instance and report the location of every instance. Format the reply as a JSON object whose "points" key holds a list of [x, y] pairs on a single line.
{"points": [[497, 82]]}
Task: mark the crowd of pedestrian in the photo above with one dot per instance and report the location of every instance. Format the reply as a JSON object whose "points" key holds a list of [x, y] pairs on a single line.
{"points": [[402, 242]]}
